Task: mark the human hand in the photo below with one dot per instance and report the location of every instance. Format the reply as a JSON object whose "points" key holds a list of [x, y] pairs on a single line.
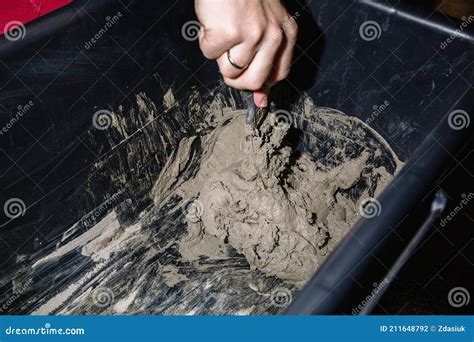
{"points": [[260, 37]]}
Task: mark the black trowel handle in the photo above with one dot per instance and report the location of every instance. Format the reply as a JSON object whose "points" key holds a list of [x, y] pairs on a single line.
{"points": [[251, 108]]}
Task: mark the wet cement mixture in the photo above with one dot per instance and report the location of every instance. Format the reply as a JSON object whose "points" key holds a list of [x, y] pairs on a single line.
{"points": [[241, 219], [254, 190]]}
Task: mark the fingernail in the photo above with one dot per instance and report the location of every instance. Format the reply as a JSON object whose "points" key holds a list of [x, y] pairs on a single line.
{"points": [[264, 102]]}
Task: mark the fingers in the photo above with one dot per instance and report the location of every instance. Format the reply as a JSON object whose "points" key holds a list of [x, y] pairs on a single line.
{"points": [[271, 64], [259, 35], [257, 73], [241, 54], [283, 61], [260, 98], [214, 44]]}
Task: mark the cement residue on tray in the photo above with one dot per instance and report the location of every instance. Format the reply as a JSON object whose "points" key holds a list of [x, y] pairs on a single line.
{"points": [[281, 196]]}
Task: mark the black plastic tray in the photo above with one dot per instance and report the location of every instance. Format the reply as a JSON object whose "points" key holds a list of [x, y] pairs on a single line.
{"points": [[405, 66]]}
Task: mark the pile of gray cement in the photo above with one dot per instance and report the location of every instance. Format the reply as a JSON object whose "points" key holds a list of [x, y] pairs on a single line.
{"points": [[284, 208]]}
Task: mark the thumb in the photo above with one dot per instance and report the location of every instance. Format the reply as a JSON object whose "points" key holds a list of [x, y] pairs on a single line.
{"points": [[260, 98]]}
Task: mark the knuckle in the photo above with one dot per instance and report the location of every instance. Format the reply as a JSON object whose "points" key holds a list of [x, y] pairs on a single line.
{"points": [[227, 73], [208, 50], [208, 53], [255, 34], [282, 75], [228, 82], [275, 33], [226, 70], [255, 82], [231, 33], [251, 87], [236, 84], [292, 31]]}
